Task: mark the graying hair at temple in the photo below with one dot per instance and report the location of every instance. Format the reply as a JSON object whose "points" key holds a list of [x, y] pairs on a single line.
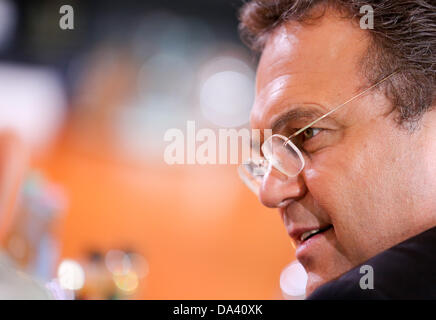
{"points": [[403, 38]]}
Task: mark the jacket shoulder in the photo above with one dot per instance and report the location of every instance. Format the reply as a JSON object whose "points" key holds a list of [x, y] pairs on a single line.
{"points": [[405, 271]]}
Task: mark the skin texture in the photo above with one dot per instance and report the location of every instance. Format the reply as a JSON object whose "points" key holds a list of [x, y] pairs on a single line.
{"points": [[369, 178]]}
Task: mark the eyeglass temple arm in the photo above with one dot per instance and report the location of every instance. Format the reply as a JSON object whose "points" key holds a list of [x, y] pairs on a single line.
{"points": [[341, 105]]}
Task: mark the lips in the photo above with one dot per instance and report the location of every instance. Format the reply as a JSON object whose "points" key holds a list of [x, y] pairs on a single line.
{"points": [[301, 235], [306, 235]]}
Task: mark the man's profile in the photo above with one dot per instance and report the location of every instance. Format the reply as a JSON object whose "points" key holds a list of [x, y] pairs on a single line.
{"points": [[353, 111]]}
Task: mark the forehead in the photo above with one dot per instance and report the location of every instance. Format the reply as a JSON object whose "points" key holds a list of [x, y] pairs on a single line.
{"points": [[315, 65]]}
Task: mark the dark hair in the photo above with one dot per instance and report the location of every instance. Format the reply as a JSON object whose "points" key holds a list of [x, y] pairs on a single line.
{"points": [[403, 38]]}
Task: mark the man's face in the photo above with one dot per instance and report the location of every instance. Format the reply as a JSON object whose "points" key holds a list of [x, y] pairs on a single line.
{"points": [[365, 178]]}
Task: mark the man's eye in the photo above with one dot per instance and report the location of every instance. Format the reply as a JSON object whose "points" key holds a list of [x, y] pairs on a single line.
{"points": [[310, 133]]}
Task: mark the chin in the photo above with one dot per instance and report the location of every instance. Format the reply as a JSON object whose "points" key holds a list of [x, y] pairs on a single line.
{"points": [[314, 281]]}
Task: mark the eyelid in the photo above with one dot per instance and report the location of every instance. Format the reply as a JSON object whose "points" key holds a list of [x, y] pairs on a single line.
{"points": [[305, 145], [313, 128], [294, 126], [320, 129], [308, 140]]}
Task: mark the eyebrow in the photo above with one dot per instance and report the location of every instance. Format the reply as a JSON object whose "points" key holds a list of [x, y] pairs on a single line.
{"points": [[297, 114]]}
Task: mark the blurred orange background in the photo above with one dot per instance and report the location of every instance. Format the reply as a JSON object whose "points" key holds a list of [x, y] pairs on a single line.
{"points": [[204, 234], [98, 100]]}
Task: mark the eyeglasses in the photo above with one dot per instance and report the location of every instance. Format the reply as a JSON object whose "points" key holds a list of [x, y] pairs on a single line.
{"points": [[281, 153]]}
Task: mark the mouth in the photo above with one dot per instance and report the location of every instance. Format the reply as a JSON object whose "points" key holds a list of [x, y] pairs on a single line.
{"points": [[301, 237]]}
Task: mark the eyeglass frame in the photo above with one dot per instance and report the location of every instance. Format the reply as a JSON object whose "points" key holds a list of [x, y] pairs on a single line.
{"points": [[295, 148]]}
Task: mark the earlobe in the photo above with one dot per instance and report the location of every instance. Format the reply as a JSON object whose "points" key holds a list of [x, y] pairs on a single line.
{"points": [[12, 167]]}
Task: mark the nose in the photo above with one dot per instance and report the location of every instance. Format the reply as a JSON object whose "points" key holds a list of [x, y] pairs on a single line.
{"points": [[276, 188]]}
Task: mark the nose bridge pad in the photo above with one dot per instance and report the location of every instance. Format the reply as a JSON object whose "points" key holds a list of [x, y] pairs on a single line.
{"points": [[275, 173]]}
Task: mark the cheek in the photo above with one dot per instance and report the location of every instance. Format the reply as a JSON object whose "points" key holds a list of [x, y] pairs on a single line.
{"points": [[340, 181], [327, 179], [330, 189], [358, 186]]}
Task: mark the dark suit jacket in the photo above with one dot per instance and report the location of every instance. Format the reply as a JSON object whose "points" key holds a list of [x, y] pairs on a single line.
{"points": [[405, 271]]}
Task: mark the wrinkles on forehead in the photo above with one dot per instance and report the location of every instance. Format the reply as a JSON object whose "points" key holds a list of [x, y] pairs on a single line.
{"points": [[274, 103], [285, 38], [307, 65]]}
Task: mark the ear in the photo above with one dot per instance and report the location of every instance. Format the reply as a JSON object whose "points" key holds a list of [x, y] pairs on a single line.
{"points": [[12, 168]]}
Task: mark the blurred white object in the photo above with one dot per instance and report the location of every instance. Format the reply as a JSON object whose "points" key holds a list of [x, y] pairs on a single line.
{"points": [[32, 103], [57, 292], [227, 91], [293, 280], [71, 275]]}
